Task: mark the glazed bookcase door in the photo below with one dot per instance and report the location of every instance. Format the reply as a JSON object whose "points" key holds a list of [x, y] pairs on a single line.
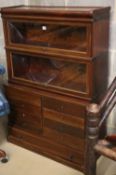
{"points": [[63, 36], [51, 73]]}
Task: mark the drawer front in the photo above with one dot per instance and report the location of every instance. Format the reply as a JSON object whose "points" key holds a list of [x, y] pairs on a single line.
{"points": [[31, 115], [25, 107], [33, 127], [64, 106], [23, 96], [52, 149], [24, 119], [25, 110], [63, 124], [59, 134]]}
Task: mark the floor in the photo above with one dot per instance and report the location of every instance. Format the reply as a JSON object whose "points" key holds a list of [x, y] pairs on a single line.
{"points": [[22, 161]]}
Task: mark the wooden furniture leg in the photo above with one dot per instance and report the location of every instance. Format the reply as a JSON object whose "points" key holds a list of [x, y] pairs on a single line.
{"points": [[91, 139], [97, 115]]}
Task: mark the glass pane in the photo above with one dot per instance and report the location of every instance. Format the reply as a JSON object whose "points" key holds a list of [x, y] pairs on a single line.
{"points": [[49, 35], [50, 72]]}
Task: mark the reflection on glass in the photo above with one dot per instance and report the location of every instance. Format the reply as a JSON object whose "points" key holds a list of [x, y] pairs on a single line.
{"points": [[48, 35], [50, 72]]}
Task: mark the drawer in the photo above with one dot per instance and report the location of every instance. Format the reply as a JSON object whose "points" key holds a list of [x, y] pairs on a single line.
{"points": [[63, 106], [25, 115], [64, 134], [49, 147], [64, 128], [23, 96], [25, 121], [25, 107], [64, 118], [64, 124]]}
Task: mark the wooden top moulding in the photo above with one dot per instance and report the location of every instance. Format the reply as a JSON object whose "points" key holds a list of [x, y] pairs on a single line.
{"points": [[90, 13]]}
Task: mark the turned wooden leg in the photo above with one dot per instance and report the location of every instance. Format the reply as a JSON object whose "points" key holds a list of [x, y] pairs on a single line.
{"points": [[91, 139], [90, 164], [3, 157]]}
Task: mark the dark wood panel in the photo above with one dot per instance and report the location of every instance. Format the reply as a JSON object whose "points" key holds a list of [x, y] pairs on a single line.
{"points": [[74, 121], [26, 121], [64, 138], [23, 95], [64, 106], [25, 107], [25, 110], [100, 82], [27, 127], [100, 40], [63, 128], [24, 116]]}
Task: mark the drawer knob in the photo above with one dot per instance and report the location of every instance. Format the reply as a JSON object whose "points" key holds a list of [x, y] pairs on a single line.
{"points": [[24, 124], [61, 129], [23, 115], [71, 157], [62, 107], [20, 137]]}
